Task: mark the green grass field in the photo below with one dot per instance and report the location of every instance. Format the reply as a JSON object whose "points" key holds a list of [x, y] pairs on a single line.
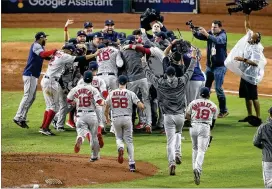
{"points": [[231, 161], [56, 35]]}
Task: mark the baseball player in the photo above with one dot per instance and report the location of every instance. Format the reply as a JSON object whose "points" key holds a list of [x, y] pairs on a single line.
{"points": [[136, 77], [85, 96], [108, 60], [202, 113], [120, 101], [109, 32], [31, 74], [100, 85], [50, 82], [263, 140], [173, 106], [88, 29]]}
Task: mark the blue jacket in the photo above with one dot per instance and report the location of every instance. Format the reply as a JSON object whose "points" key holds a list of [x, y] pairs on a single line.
{"points": [[220, 42]]}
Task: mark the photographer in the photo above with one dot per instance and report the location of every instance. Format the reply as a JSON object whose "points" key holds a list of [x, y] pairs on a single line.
{"points": [[216, 55]]}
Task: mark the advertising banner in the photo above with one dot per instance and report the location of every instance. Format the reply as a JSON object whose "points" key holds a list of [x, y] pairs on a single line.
{"points": [[177, 6], [62, 6]]}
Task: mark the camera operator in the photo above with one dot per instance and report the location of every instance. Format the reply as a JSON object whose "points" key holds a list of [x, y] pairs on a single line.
{"points": [[216, 54]]}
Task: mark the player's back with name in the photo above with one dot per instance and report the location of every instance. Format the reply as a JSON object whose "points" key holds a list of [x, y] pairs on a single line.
{"points": [[121, 101], [85, 96], [203, 110]]}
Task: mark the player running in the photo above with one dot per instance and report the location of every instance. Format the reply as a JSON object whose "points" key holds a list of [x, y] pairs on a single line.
{"points": [[202, 113], [120, 101], [85, 96]]}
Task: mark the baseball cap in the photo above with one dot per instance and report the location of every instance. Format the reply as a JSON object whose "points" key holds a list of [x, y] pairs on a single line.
{"points": [[204, 92], [161, 35], [121, 36], [40, 35], [70, 47], [102, 45], [98, 35], [73, 41], [81, 32], [109, 22], [170, 71], [88, 76], [131, 38], [88, 24], [270, 110], [93, 65], [122, 79]]}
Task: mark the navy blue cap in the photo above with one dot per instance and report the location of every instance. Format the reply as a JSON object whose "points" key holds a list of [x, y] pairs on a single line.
{"points": [[270, 110], [98, 35], [131, 38], [109, 22], [122, 79], [161, 35], [69, 47], [40, 35], [93, 65], [121, 35], [88, 24], [170, 71], [73, 41], [205, 92], [88, 76], [100, 46], [81, 32]]}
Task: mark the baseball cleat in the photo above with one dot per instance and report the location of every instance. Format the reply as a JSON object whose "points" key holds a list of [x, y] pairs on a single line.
{"points": [[100, 140], [21, 124], [60, 129], [178, 160], [54, 123], [46, 132], [93, 159], [78, 144], [71, 124], [210, 141], [120, 155], [196, 177], [139, 126], [148, 129], [132, 168], [222, 115], [172, 170]]}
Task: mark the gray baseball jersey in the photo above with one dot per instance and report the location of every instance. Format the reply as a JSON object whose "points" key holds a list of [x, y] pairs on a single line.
{"points": [[85, 96], [97, 82], [171, 93], [132, 60], [202, 110], [263, 140], [121, 101], [108, 60]]}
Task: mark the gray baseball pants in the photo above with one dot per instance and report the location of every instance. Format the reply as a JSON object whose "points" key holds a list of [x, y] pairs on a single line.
{"points": [[267, 174], [123, 132], [200, 135], [142, 85], [173, 128], [86, 122], [30, 87]]}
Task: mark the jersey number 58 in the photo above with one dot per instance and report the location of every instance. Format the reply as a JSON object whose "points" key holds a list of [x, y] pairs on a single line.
{"points": [[119, 102]]}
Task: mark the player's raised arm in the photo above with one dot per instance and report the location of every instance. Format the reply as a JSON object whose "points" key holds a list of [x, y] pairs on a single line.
{"points": [[66, 33], [247, 23]]}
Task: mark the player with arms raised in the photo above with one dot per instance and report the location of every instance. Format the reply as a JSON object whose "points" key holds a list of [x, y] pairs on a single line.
{"points": [[202, 113], [85, 96], [120, 101]]}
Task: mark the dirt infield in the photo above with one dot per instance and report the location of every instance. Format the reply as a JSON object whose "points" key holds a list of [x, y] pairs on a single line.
{"points": [[72, 170], [12, 66]]}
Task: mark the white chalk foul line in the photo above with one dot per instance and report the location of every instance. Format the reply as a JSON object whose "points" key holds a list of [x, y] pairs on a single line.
{"points": [[236, 92]]}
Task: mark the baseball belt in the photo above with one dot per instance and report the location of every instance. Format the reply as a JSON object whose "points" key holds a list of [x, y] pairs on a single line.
{"points": [[120, 116], [110, 73], [85, 111], [47, 77]]}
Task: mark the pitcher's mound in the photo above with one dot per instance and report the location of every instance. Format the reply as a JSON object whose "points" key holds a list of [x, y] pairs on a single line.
{"points": [[62, 170]]}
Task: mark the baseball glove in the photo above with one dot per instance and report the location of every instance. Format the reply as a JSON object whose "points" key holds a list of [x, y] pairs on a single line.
{"points": [[254, 121]]}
